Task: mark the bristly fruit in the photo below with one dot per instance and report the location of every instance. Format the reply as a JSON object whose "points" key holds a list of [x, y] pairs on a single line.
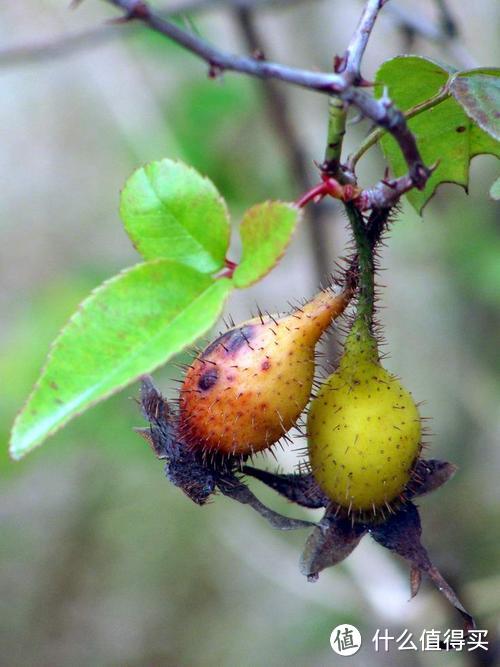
{"points": [[248, 388], [363, 430]]}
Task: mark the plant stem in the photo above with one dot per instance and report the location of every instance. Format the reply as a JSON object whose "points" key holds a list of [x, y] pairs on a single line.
{"points": [[361, 342], [366, 266], [335, 136]]}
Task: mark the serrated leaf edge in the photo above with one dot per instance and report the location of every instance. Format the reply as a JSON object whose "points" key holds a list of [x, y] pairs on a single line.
{"points": [[219, 197], [300, 215], [17, 454]]}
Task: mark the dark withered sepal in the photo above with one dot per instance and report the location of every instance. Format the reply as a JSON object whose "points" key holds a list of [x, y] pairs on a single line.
{"points": [[234, 488], [301, 489], [428, 476], [198, 477], [183, 467], [330, 542], [401, 533]]}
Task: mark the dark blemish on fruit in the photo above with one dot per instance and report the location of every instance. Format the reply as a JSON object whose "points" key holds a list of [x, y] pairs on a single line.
{"points": [[461, 128], [208, 379], [265, 365], [231, 341]]}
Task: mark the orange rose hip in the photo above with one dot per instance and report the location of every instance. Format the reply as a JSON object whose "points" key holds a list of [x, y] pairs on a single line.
{"points": [[248, 387]]}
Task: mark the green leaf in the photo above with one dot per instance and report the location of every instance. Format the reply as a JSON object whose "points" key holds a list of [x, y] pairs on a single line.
{"points": [[444, 133], [478, 92], [172, 212], [495, 190], [129, 325], [266, 231]]}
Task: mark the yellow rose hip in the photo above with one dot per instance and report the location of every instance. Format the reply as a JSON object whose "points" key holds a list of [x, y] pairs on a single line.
{"points": [[363, 430]]}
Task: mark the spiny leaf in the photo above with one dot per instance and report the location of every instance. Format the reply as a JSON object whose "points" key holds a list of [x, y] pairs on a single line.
{"points": [[266, 231], [478, 92], [444, 133], [129, 325], [171, 211]]}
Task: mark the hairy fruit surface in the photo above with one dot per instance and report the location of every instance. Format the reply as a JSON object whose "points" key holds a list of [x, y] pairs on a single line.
{"points": [[248, 388], [363, 431]]}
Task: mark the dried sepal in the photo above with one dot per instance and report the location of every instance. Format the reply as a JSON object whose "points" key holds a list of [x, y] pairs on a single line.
{"points": [[301, 489], [330, 542], [182, 467], [233, 488], [428, 476], [401, 533], [197, 476], [338, 534]]}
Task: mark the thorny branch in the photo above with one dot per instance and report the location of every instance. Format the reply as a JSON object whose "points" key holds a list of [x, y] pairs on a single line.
{"points": [[220, 61], [445, 34], [350, 65], [382, 111]]}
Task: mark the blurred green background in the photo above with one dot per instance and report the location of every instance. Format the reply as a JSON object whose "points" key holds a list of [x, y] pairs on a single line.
{"points": [[102, 562]]}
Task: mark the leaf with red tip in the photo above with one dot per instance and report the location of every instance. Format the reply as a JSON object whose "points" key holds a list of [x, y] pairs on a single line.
{"points": [[128, 326], [266, 230], [170, 211]]}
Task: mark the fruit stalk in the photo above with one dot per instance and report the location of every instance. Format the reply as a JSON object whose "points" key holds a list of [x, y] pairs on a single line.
{"points": [[362, 329]]}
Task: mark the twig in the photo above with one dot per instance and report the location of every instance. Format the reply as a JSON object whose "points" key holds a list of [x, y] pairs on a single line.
{"points": [[387, 116], [220, 61], [350, 66], [386, 193], [66, 44], [351, 62], [88, 38], [381, 111]]}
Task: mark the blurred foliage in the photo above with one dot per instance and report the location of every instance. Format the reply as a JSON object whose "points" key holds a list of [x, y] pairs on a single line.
{"points": [[103, 562]]}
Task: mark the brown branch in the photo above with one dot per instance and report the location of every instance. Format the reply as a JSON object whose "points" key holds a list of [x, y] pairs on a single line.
{"points": [[221, 61], [380, 111], [63, 45], [341, 83], [351, 62], [386, 115], [386, 193]]}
